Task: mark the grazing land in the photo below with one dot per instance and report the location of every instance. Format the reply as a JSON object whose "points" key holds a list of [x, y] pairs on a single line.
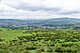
{"points": [[39, 41]]}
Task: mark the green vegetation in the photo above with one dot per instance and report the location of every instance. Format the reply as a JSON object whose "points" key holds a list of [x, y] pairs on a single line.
{"points": [[39, 41]]}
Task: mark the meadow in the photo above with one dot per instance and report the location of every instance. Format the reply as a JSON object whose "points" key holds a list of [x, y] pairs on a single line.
{"points": [[39, 41]]}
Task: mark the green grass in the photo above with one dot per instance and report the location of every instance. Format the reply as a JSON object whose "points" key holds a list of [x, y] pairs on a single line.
{"points": [[39, 41], [11, 34]]}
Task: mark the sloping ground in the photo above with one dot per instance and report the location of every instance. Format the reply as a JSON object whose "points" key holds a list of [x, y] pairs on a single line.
{"points": [[39, 41]]}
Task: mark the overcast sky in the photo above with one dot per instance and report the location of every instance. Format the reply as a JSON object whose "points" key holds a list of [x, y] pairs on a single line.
{"points": [[39, 9]]}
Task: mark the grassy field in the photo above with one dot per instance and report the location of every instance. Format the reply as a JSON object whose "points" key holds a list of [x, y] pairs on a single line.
{"points": [[39, 41]]}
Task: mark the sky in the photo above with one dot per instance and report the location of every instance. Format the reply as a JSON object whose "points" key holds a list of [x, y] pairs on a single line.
{"points": [[39, 9]]}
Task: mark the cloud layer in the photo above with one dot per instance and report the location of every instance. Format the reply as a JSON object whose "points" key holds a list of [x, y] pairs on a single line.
{"points": [[39, 9]]}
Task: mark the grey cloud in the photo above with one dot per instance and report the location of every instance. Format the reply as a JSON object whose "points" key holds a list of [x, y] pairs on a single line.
{"points": [[30, 7], [33, 8], [18, 5], [69, 12]]}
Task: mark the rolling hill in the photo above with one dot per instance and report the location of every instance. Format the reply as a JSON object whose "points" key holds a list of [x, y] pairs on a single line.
{"points": [[55, 22]]}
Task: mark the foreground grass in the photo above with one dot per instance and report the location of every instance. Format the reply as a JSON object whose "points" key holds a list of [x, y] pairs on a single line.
{"points": [[39, 41]]}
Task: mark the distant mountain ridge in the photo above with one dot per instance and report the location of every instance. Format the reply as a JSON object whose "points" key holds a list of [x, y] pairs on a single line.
{"points": [[34, 22]]}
